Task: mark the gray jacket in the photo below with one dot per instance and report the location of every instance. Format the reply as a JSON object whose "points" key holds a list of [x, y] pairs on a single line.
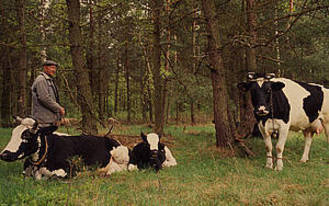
{"points": [[45, 100]]}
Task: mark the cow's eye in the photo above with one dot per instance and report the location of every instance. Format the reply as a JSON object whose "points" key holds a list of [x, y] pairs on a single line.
{"points": [[26, 135]]}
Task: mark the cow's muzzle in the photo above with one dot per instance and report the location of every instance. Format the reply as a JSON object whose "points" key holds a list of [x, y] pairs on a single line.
{"points": [[8, 156], [261, 111], [155, 161]]}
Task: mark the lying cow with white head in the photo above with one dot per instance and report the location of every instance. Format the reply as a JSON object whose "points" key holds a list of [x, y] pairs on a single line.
{"points": [[281, 104], [49, 154], [149, 153]]}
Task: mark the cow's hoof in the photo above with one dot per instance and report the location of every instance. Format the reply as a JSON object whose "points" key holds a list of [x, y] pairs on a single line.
{"points": [[132, 167], [278, 168], [269, 166], [303, 160]]}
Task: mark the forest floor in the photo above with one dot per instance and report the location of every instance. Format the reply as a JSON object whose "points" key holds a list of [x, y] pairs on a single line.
{"points": [[203, 176]]}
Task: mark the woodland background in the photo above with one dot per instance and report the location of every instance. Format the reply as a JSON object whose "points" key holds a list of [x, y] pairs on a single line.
{"points": [[158, 61]]}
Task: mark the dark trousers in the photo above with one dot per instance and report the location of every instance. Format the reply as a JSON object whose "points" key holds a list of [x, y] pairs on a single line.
{"points": [[47, 130]]}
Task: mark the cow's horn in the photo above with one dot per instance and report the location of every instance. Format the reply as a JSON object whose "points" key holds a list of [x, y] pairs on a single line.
{"points": [[269, 75], [18, 119], [251, 76], [110, 131], [34, 129]]}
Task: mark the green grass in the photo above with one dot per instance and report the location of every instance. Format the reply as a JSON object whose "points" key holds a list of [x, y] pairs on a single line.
{"points": [[203, 176]]}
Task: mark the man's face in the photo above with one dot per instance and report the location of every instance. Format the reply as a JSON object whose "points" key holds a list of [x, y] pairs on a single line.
{"points": [[51, 70]]}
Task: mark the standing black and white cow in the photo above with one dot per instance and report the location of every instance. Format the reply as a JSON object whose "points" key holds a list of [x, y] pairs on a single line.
{"points": [[48, 154], [281, 104]]}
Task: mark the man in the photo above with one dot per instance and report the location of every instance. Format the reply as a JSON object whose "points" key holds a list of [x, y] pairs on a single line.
{"points": [[45, 100]]}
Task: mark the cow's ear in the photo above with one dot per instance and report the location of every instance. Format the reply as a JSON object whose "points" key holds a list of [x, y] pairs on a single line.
{"points": [[276, 86], [244, 86], [143, 137]]}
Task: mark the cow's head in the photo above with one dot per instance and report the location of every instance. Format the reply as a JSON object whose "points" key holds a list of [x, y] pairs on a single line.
{"points": [[261, 87], [23, 140], [154, 150]]}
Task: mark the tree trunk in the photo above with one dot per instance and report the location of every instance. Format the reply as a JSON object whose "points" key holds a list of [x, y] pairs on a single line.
{"points": [[246, 117], [85, 98], [156, 7], [43, 10], [103, 83], [6, 90], [252, 24], [149, 102], [116, 88], [192, 112], [21, 97], [143, 97], [168, 109], [177, 112], [127, 82], [215, 61], [90, 54]]}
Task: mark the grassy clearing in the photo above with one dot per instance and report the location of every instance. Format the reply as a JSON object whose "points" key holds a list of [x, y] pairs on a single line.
{"points": [[203, 177]]}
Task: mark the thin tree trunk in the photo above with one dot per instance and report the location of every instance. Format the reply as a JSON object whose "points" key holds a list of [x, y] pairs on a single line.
{"points": [[103, 83], [143, 98], [150, 105], [6, 90], [277, 43], [43, 10], [85, 98], [127, 82], [215, 61], [116, 89], [21, 98], [168, 109], [192, 112], [252, 24], [156, 7], [90, 54], [148, 81], [177, 112], [246, 117]]}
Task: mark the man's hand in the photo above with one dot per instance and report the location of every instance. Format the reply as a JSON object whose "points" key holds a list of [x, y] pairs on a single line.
{"points": [[62, 111]]}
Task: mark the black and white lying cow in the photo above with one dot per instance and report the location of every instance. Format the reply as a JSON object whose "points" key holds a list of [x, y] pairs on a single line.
{"points": [[149, 153], [285, 104], [48, 154]]}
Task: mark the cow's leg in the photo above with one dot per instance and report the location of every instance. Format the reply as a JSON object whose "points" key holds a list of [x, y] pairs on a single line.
{"points": [[268, 146], [283, 133], [46, 173], [308, 141], [170, 160], [56, 169], [325, 124]]}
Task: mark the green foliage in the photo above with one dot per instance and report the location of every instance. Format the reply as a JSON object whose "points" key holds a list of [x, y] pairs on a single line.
{"points": [[203, 176]]}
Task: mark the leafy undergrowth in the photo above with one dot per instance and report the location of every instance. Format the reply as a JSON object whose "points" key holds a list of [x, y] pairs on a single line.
{"points": [[203, 176]]}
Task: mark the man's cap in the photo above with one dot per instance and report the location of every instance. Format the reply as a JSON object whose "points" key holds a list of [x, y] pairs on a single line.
{"points": [[50, 63]]}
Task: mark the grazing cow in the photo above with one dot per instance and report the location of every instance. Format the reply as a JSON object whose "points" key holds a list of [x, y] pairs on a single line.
{"points": [[281, 104], [49, 154]]}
